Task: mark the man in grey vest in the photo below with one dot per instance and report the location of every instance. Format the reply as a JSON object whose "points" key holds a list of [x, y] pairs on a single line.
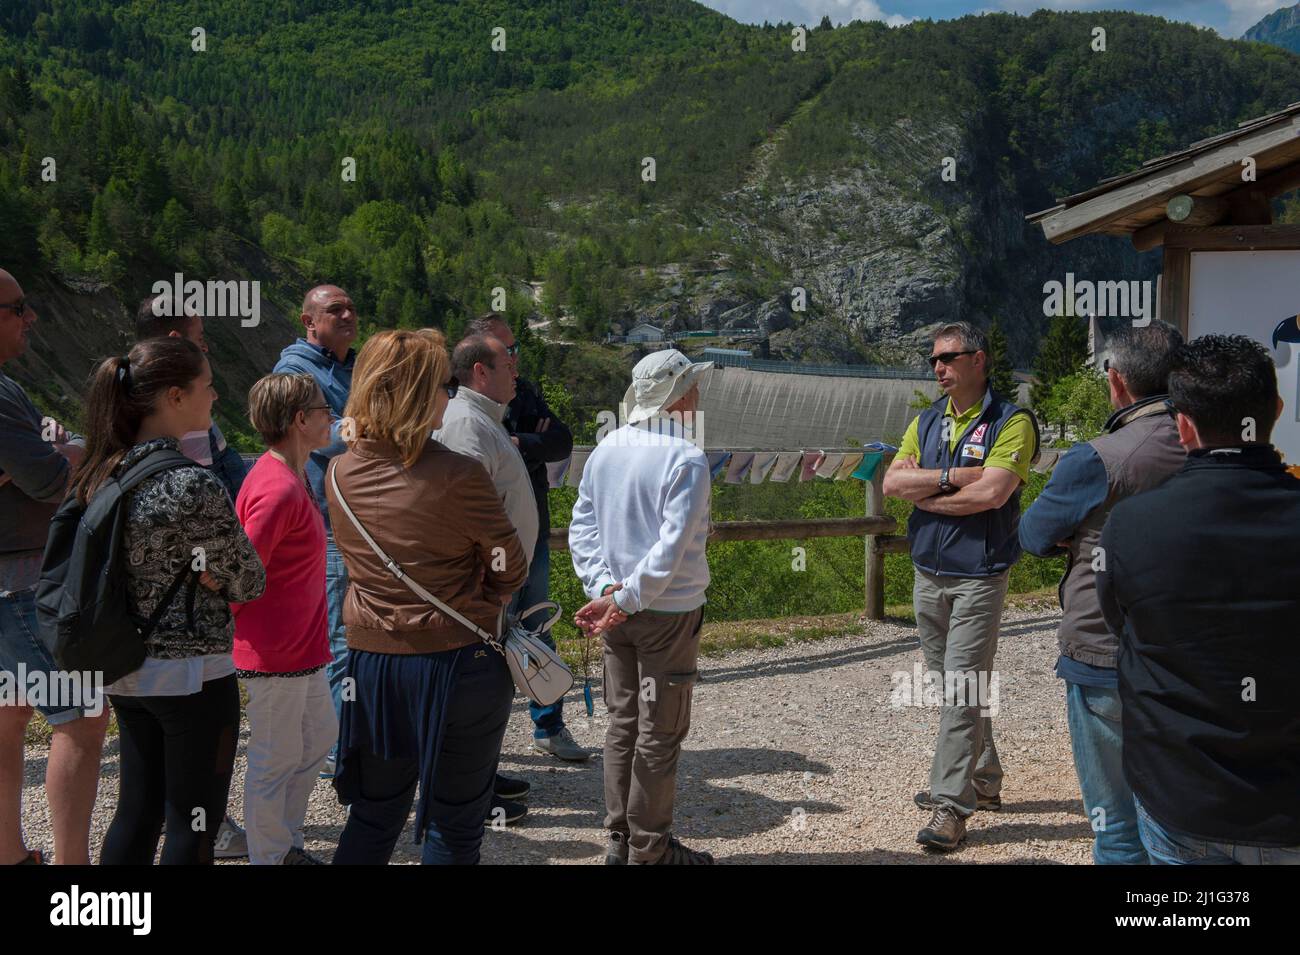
{"points": [[1137, 451], [962, 463]]}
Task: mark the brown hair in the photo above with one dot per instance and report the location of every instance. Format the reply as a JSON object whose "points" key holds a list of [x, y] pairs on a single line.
{"points": [[122, 393], [394, 388], [274, 403]]}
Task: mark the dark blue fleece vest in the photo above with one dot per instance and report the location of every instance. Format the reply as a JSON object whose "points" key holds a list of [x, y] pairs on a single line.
{"points": [[975, 545]]}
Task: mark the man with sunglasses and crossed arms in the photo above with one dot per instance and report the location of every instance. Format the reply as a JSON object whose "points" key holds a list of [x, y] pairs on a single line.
{"points": [[37, 459], [962, 463]]}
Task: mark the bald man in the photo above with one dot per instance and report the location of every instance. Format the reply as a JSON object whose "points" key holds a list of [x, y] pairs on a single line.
{"points": [[36, 463], [329, 320]]}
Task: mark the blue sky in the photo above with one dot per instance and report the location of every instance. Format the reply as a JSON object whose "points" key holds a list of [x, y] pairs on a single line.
{"points": [[1229, 17]]}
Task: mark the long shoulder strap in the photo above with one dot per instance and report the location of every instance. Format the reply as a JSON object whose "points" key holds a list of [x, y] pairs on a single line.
{"points": [[395, 568]]}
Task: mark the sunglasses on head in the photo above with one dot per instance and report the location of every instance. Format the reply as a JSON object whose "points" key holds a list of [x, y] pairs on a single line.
{"points": [[947, 357], [19, 308]]}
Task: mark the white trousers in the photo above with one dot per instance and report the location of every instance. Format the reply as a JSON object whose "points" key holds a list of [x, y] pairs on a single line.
{"points": [[291, 729]]}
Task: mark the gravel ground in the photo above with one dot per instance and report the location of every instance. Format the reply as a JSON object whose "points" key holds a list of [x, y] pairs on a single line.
{"points": [[795, 755]]}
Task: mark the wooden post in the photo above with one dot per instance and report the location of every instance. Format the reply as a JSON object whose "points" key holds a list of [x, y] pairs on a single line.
{"points": [[874, 582]]}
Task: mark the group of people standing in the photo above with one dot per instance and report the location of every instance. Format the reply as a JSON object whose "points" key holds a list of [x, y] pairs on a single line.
{"points": [[256, 578], [413, 461], [1179, 600]]}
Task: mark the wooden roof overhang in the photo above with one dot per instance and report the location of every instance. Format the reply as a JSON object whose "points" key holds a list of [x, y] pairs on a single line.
{"points": [[1172, 198]]}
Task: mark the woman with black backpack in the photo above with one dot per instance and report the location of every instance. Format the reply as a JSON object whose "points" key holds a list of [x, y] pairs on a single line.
{"points": [[187, 558]]}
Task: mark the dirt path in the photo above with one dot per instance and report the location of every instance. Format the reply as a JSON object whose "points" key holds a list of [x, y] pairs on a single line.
{"points": [[796, 755]]}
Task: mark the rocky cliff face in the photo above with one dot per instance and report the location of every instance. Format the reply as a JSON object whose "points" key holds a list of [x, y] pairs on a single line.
{"points": [[1281, 28], [886, 251]]}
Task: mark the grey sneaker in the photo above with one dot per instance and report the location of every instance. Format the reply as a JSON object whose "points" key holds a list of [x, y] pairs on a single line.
{"points": [[232, 841], [296, 856], [944, 831], [616, 850], [678, 854], [985, 803], [563, 745]]}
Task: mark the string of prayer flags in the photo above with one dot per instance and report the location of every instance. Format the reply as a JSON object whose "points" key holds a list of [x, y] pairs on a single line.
{"points": [[738, 469], [785, 465], [556, 470], [829, 464], [763, 462], [850, 463], [717, 461], [574, 477], [810, 461]]}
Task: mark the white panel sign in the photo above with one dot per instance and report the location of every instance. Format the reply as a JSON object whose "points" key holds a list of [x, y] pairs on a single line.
{"points": [[1249, 293]]}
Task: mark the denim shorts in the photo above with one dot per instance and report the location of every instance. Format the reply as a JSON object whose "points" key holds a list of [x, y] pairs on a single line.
{"points": [[20, 643]]}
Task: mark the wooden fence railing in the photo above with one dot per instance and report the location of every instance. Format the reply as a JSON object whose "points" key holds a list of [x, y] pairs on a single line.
{"points": [[875, 527]]}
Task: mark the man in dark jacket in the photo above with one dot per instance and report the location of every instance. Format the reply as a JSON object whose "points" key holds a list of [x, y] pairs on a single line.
{"points": [[1138, 450], [542, 439], [1201, 583]]}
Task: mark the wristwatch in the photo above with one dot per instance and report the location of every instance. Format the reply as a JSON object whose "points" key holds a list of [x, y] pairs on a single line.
{"points": [[945, 486]]}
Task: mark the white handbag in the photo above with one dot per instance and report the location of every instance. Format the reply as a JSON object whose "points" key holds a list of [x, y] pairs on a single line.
{"points": [[537, 670]]}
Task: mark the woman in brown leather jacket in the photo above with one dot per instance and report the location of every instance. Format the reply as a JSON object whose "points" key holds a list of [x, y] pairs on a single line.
{"points": [[425, 700]]}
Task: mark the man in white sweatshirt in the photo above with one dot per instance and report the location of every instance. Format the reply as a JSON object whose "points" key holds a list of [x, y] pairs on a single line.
{"points": [[637, 538]]}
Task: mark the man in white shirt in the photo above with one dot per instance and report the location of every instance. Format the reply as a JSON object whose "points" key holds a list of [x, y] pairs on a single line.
{"points": [[638, 539], [472, 425]]}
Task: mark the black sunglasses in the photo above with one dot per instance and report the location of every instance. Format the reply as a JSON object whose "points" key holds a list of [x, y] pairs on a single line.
{"points": [[19, 308], [947, 357], [452, 386]]}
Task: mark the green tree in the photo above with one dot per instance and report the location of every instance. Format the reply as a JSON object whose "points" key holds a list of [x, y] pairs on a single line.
{"points": [[1078, 403], [1001, 378], [1061, 352], [18, 89]]}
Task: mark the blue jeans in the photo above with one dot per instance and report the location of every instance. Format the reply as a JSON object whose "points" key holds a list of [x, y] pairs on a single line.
{"points": [[336, 585], [1171, 847], [459, 769], [1093, 713], [547, 720], [20, 642]]}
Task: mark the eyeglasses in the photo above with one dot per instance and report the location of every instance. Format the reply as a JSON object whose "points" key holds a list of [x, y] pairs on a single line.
{"points": [[321, 408], [452, 385], [19, 307], [947, 357]]}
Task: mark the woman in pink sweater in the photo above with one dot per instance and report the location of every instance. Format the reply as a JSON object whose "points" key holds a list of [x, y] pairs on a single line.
{"points": [[281, 639]]}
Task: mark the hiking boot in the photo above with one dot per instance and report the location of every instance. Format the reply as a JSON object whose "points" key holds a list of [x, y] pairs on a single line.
{"points": [[296, 856], [507, 787], [505, 812], [232, 841], [944, 831], [678, 854], [564, 746], [616, 850], [986, 803]]}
